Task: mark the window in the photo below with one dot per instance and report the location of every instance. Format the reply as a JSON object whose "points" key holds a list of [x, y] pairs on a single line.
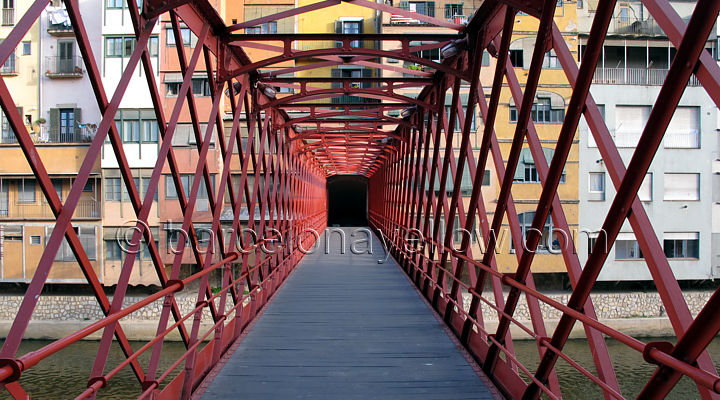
{"points": [[526, 219], [113, 46], [112, 189], [67, 124], [684, 129], [12, 232], [89, 186], [551, 60], [114, 4], [627, 248], [26, 48], [57, 185], [349, 26], [113, 251], [421, 7], [516, 58], [35, 240], [597, 182], [542, 112], [4, 198], [452, 10], [87, 240], [629, 124], [126, 193], [429, 54], [460, 124], [9, 66], [185, 34], [200, 87], [134, 125], [26, 190], [123, 46], [8, 17], [645, 191], [682, 245], [486, 178], [202, 203], [590, 137], [128, 46], [268, 27], [682, 187], [526, 172]]}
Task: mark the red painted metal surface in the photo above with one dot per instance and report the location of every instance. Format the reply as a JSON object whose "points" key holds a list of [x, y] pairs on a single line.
{"points": [[293, 145]]}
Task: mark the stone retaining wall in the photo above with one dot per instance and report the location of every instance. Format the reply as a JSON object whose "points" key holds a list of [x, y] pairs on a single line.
{"points": [[607, 306]]}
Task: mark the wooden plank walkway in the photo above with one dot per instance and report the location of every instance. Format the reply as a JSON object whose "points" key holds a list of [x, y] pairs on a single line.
{"points": [[347, 327]]}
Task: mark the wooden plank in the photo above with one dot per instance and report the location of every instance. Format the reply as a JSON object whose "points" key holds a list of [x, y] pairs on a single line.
{"points": [[346, 326]]}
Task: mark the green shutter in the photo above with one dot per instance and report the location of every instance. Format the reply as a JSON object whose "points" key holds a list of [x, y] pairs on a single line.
{"points": [[338, 30], [54, 120], [78, 120], [367, 73], [336, 73], [404, 5], [431, 8]]}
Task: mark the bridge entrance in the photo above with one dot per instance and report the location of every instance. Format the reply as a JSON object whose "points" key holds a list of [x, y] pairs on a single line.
{"points": [[347, 200]]}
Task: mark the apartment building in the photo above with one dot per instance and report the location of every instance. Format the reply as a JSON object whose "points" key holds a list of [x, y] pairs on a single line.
{"points": [[138, 129], [43, 74], [548, 114], [681, 189]]}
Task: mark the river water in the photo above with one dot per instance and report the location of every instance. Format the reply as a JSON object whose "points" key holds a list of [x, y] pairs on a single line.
{"points": [[64, 374]]}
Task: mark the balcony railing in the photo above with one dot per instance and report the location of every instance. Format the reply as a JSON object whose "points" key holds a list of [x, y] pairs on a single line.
{"points": [[671, 140], [60, 30], [635, 26], [454, 13], [635, 76], [8, 16], [10, 67], [63, 67], [57, 135], [86, 209]]}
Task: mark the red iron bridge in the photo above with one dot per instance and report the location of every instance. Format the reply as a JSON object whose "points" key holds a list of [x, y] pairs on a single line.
{"points": [[343, 325]]}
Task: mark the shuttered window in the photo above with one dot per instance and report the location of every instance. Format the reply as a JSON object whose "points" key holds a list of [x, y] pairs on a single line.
{"points": [[629, 124], [682, 186], [684, 129]]}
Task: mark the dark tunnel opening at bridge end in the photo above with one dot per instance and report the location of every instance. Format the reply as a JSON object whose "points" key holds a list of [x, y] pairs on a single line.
{"points": [[347, 200]]}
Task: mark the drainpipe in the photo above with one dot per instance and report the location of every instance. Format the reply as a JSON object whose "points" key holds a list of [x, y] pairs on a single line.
{"points": [[39, 72]]}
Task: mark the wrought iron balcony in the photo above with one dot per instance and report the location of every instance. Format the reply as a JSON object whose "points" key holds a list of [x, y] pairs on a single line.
{"points": [[57, 67]]}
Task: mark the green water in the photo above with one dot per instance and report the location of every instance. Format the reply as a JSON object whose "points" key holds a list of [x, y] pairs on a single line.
{"points": [[64, 375]]}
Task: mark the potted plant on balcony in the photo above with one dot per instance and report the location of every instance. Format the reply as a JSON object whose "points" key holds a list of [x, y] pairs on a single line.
{"points": [[37, 129]]}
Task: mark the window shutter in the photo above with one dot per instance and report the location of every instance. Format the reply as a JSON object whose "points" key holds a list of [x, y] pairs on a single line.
{"points": [[430, 8], [78, 120], [54, 119], [339, 31], [367, 73], [336, 73], [520, 171]]}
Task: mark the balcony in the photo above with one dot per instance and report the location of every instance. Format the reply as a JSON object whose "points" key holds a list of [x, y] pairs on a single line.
{"points": [[8, 16], [634, 26], [10, 67], [57, 135], [60, 30], [86, 209], [64, 67], [451, 12], [635, 76]]}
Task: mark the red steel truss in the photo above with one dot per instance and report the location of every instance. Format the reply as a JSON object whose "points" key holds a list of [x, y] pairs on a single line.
{"points": [[296, 141]]}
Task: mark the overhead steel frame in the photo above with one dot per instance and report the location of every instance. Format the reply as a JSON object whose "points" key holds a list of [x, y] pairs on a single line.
{"points": [[296, 153], [402, 209]]}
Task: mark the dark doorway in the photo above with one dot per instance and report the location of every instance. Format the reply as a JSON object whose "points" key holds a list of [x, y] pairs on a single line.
{"points": [[347, 200]]}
